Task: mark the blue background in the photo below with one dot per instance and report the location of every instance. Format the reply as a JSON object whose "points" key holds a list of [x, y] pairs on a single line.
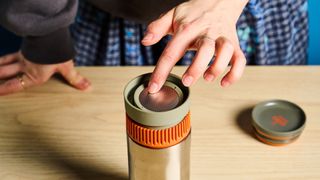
{"points": [[10, 43], [314, 32]]}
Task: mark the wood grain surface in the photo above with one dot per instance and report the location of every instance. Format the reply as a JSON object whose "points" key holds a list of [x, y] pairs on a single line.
{"points": [[57, 132]]}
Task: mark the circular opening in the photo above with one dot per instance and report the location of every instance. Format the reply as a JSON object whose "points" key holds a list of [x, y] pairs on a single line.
{"points": [[167, 98]]}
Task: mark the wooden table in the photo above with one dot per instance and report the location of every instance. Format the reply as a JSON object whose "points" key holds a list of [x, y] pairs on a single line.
{"points": [[57, 132]]}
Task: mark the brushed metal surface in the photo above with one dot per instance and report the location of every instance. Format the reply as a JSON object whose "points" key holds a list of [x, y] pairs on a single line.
{"points": [[171, 163]]}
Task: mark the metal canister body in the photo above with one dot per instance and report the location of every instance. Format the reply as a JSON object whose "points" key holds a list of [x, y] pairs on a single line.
{"points": [[158, 130], [158, 164]]}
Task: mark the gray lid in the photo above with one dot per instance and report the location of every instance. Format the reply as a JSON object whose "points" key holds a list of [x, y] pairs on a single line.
{"points": [[278, 118], [166, 108]]}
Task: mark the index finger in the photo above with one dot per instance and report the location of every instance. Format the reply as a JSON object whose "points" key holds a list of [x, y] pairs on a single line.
{"points": [[172, 53]]}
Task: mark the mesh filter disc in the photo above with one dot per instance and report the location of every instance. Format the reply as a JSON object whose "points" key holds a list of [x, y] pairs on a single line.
{"points": [[166, 99]]}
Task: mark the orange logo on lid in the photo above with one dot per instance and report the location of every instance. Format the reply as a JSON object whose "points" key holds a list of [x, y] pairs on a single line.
{"points": [[280, 120]]}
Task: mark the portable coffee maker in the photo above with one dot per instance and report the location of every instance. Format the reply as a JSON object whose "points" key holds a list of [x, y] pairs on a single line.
{"points": [[158, 130]]}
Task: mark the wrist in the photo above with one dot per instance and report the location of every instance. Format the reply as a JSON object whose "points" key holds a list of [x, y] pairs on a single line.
{"points": [[53, 48], [241, 3], [232, 6]]}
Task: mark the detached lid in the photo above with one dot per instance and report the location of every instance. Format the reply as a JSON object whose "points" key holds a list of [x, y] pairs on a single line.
{"points": [[278, 122]]}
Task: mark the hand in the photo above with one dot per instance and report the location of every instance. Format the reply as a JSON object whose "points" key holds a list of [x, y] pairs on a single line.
{"points": [[209, 26], [35, 74]]}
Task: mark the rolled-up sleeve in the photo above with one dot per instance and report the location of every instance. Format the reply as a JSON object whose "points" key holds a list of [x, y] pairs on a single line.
{"points": [[44, 26]]}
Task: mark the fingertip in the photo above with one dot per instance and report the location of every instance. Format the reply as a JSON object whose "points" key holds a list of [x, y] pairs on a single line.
{"points": [[88, 89], [225, 83], [187, 80], [83, 84], [147, 43], [87, 86], [148, 37], [208, 77], [153, 87], [158, 29]]}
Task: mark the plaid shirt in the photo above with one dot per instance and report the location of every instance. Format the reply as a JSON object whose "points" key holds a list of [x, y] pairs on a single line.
{"points": [[270, 33]]}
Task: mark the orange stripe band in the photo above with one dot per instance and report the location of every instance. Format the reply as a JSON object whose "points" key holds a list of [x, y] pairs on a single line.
{"points": [[272, 143], [275, 137], [158, 138]]}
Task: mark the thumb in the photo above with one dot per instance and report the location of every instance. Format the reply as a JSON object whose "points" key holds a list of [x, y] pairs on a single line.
{"points": [[158, 28], [73, 77]]}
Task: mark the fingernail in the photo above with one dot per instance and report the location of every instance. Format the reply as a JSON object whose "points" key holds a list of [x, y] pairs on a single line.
{"points": [[84, 84], [87, 84], [148, 37], [187, 80], [153, 88], [208, 77], [225, 84]]}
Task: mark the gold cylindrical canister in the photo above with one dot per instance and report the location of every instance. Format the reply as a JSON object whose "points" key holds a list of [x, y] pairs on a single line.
{"points": [[158, 130]]}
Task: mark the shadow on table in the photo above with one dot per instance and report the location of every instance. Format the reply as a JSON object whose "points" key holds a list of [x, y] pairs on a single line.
{"points": [[29, 145], [243, 120]]}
